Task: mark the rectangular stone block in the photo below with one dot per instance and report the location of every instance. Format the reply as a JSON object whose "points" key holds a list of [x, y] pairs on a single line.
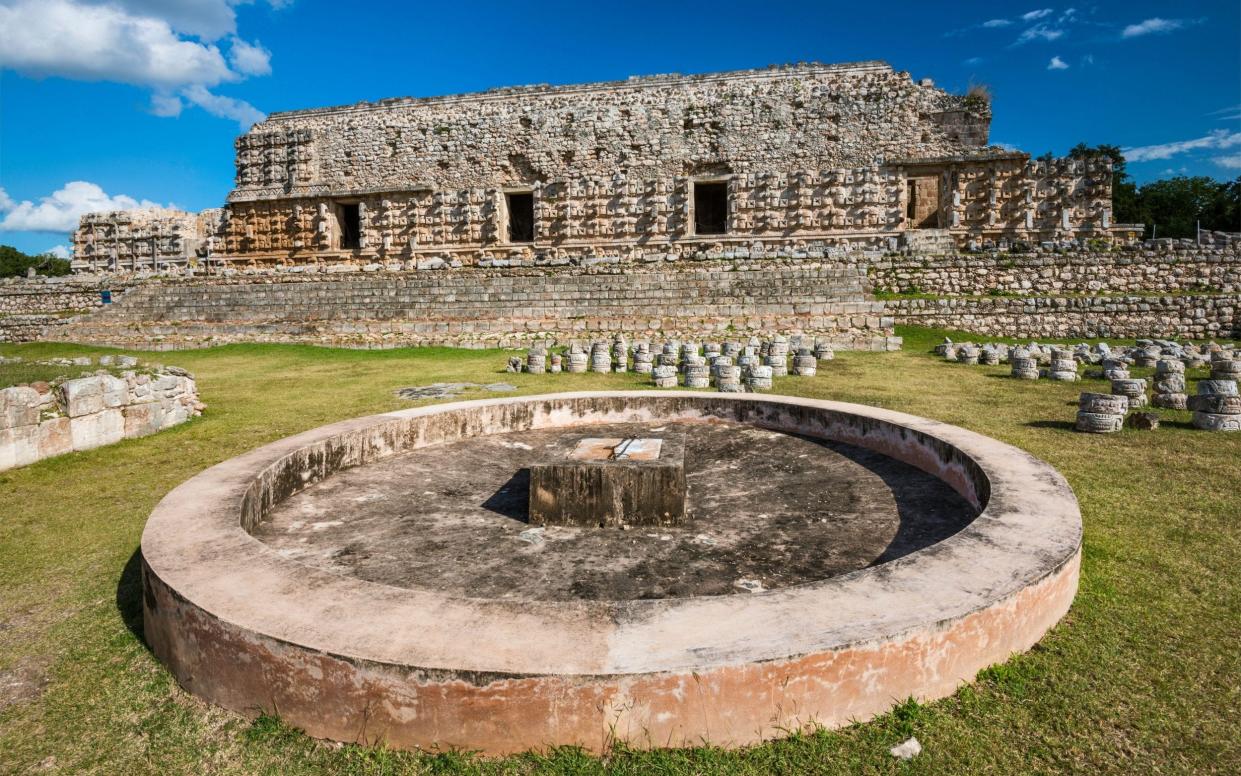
{"points": [[19, 406], [612, 482], [82, 396], [142, 419], [19, 446], [55, 437], [98, 429]]}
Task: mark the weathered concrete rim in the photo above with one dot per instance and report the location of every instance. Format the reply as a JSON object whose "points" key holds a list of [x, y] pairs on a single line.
{"points": [[1028, 532]]}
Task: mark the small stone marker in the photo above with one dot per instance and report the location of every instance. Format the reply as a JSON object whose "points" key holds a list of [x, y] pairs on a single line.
{"points": [[612, 482]]}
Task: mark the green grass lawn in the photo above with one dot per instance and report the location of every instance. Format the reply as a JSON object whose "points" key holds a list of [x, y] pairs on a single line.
{"points": [[1143, 675]]}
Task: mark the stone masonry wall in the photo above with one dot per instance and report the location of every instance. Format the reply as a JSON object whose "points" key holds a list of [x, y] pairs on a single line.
{"points": [[660, 127], [30, 307], [1187, 269], [40, 421], [476, 308], [1194, 317]]}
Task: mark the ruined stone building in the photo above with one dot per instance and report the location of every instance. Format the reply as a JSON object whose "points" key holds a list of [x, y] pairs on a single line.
{"points": [[783, 161], [152, 239]]}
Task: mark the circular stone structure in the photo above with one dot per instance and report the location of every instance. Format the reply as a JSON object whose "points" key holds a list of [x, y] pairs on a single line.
{"points": [[377, 579]]}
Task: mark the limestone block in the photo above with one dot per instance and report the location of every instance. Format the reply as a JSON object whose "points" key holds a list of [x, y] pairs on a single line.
{"points": [[114, 389], [55, 437], [142, 419], [83, 396], [19, 446], [97, 429], [19, 406]]}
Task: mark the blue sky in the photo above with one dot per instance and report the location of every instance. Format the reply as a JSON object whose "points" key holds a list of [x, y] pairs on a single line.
{"points": [[107, 103]]}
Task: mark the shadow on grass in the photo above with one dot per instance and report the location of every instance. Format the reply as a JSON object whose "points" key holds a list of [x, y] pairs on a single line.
{"points": [[1063, 425], [129, 596]]}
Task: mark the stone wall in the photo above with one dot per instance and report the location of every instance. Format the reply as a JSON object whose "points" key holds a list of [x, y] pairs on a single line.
{"points": [[29, 307], [40, 421], [498, 307], [154, 238], [1173, 268], [1058, 317], [661, 127]]}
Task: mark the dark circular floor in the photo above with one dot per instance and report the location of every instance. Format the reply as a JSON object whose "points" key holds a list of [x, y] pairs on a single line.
{"points": [[766, 509]]}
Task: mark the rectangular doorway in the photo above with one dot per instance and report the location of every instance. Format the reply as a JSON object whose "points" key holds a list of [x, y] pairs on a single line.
{"points": [[349, 218], [710, 207], [923, 210], [520, 205]]}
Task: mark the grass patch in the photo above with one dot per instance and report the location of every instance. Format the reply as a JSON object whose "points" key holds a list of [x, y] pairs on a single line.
{"points": [[1141, 677]]}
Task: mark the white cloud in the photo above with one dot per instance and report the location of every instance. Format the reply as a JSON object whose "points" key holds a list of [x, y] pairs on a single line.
{"points": [[1040, 32], [1152, 26], [240, 111], [973, 61], [1030, 16], [1057, 63], [166, 105], [993, 23], [1232, 161], [1232, 113], [60, 251], [60, 210], [1216, 139], [138, 42], [1088, 59], [249, 58]]}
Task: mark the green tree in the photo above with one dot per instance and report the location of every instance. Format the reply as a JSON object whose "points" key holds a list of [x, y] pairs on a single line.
{"points": [[14, 263], [1174, 207]]}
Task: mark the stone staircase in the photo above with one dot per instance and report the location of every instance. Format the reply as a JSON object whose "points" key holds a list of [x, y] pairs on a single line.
{"points": [[478, 309], [931, 242]]}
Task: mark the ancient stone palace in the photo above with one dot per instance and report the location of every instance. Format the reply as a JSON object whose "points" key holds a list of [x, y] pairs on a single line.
{"points": [[780, 161]]}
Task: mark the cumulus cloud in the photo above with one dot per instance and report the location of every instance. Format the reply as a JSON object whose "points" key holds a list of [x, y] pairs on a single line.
{"points": [[1057, 63], [1030, 16], [60, 251], [166, 46], [1152, 26], [249, 58], [993, 23], [1218, 139], [240, 111], [1231, 162], [60, 210]]}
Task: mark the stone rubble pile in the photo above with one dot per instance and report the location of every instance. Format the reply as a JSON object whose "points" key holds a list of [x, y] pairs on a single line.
{"points": [[1217, 407], [1101, 413]]}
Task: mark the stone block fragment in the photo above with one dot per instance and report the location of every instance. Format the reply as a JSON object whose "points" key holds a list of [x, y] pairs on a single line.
{"points": [[97, 429]]}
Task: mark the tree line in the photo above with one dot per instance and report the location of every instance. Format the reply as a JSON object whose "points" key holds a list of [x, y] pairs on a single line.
{"points": [[14, 263]]}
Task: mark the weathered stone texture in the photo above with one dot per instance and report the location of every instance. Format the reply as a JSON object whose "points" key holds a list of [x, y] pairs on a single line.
{"points": [[90, 412]]}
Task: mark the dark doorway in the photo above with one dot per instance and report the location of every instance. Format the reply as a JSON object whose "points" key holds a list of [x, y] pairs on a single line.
{"points": [[923, 212], [520, 216], [350, 218], [711, 208]]}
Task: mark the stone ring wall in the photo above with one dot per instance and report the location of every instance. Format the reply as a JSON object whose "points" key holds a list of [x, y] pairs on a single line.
{"points": [[346, 659]]}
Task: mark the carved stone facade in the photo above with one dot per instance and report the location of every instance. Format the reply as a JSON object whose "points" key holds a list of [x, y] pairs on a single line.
{"points": [[152, 239], [802, 158]]}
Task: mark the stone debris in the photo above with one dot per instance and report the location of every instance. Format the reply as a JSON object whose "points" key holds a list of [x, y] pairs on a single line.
{"points": [[1217, 407], [907, 750], [1101, 413], [1170, 385], [449, 390], [1134, 389], [1143, 421], [533, 536], [749, 585]]}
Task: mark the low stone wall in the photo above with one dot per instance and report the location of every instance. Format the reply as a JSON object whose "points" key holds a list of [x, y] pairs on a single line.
{"points": [[1185, 316], [1168, 269], [39, 421], [31, 307]]}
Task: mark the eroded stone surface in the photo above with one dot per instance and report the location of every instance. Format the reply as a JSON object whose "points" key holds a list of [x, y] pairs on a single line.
{"points": [[763, 506]]}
